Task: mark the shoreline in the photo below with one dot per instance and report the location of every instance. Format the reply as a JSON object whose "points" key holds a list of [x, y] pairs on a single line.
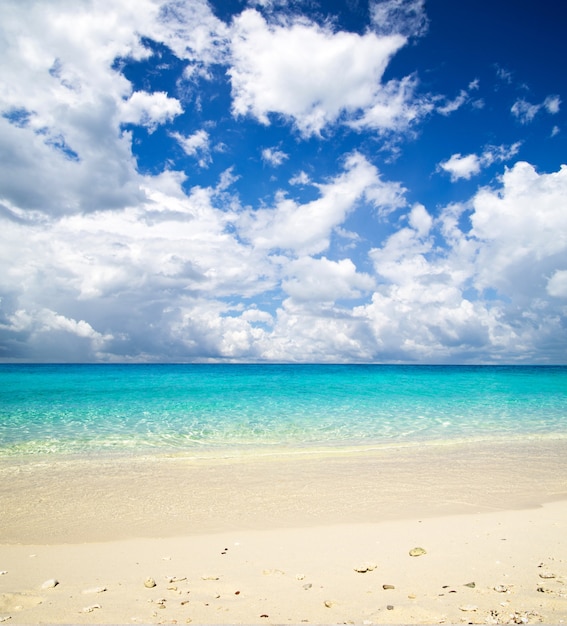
{"points": [[52, 500], [279, 540]]}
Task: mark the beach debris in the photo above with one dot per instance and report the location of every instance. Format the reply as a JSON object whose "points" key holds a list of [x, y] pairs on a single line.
{"points": [[270, 572], [390, 607], [3, 572], [91, 608], [149, 583], [5, 618], [365, 567], [50, 584], [501, 588], [470, 585], [94, 590], [175, 579], [209, 577], [264, 615], [328, 603], [417, 552], [300, 576], [468, 608], [388, 587], [307, 586], [546, 575]]}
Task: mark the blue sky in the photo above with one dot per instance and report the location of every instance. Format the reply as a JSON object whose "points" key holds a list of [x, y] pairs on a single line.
{"points": [[283, 180]]}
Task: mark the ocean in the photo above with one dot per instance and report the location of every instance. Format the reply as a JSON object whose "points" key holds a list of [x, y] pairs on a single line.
{"points": [[231, 410]]}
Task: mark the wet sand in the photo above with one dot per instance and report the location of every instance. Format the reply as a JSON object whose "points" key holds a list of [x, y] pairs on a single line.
{"points": [[279, 539]]}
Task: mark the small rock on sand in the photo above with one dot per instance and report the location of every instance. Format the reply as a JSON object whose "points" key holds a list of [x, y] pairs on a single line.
{"points": [[5, 618], [388, 587], [417, 552], [365, 567], [90, 609], [50, 584], [150, 583], [94, 590]]}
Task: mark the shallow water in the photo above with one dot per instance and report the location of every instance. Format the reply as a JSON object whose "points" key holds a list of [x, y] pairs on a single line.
{"points": [[223, 410]]}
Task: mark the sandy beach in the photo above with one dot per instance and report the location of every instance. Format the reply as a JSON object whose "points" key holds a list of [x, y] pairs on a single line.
{"points": [[297, 538]]}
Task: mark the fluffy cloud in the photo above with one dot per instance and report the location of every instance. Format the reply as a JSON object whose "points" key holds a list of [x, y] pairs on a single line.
{"points": [[459, 166], [197, 144], [273, 156], [306, 228], [149, 109], [290, 70]]}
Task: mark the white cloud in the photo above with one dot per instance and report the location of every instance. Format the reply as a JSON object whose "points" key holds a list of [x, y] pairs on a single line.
{"points": [[290, 70], [467, 166], [557, 284], [526, 112], [406, 17], [523, 227], [323, 280], [273, 156], [459, 166], [197, 144], [306, 229], [149, 109]]}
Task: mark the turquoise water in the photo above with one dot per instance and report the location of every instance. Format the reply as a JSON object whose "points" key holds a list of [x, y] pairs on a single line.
{"points": [[236, 409]]}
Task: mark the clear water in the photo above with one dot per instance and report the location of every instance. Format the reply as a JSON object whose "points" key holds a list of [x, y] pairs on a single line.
{"points": [[237, 409]]}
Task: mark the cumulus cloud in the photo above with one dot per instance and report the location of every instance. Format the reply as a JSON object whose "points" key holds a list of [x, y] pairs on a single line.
{"points": [[306, 228], [290, 70], [149, 109], [104, 262], [460, 166]]}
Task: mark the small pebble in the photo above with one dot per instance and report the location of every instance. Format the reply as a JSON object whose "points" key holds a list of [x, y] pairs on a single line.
{"points": [[471, 585], [5, 618], [546, 575], [95, 590], [307, 586], [366, 567], [388, 587], [329, 603], [150, 583], [50, 584], [3, 572], [501, 588], [417, 552], [390, 607], [90, 609], [207, 577]]}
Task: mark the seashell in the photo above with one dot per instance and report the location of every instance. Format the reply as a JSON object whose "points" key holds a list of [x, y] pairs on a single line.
{"points": [[468, 607]]}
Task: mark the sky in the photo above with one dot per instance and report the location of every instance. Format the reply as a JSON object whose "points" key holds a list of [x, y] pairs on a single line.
{"points": [[377, 181]]}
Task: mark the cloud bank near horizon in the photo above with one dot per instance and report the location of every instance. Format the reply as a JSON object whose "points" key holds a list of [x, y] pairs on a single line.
{"points": [[179, 185]]}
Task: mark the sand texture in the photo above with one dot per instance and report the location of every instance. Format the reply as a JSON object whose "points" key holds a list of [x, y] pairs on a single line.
{"points": [[493, 535]]}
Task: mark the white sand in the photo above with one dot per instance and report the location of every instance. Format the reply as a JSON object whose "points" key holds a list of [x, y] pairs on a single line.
{"points": [[278, 541]]}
